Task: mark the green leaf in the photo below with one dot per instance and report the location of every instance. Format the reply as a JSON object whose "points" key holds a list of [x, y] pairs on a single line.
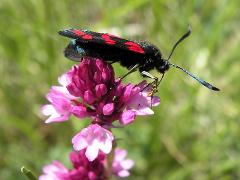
{"points": [[28, 173]]}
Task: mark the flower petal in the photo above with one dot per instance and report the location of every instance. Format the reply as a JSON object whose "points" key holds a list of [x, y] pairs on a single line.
{"points": [[108, 109], [89, 97], [54, 171], [121, 165], [120, 154], [101, 90], [80, 111], [123, 173], [127, 117], [92, 152], [48, 109], [127, 164], [155, 101], [79, 142], [93, 138]]}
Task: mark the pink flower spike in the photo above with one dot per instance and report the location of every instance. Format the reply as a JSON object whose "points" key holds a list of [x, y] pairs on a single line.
{"points": [[93, 138], [54, 171], [90, 89], [121, 166]]}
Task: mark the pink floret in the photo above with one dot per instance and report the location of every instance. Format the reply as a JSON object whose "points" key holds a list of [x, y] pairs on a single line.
{"points": [[94, 138], [121, 165]]}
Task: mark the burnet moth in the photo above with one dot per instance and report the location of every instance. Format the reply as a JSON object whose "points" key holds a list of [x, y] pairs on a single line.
{"points": [[131, 54]]}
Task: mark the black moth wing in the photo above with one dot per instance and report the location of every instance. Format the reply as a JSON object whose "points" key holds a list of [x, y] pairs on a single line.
{"points": [[101, 45], [105, 39]]}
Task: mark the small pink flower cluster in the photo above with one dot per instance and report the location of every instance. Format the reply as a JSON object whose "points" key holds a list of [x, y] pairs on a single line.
{"points": [[91, 90], [86, 170]]}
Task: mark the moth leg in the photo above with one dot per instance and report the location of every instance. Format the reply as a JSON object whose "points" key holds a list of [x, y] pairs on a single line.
{"points": [[160, 79], [154, 84], [130, 67], [147, 74], [134, 68]]}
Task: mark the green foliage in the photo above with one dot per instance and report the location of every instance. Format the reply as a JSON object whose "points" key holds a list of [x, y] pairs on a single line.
{"points": [[194, 134], [28, 174]]}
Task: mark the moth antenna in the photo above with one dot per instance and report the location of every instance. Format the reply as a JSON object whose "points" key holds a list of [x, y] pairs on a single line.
{"points": [[180, 40], [201, 81]]}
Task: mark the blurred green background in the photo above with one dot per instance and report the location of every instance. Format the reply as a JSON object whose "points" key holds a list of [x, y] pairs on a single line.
{"points": [[194, 134]]}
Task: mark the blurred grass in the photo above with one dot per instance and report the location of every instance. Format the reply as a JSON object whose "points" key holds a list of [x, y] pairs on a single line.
{"points": [[194, 133]]}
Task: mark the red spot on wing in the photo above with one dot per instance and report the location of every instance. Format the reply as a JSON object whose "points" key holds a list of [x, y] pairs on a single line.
{"points": [[134, 47], [87, 36], [82, 34], [78, 32], [107, 39]]}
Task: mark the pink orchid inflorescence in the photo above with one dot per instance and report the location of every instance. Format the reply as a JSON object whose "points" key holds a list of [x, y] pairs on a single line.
{"points": [[91, 90], [83, 169]]}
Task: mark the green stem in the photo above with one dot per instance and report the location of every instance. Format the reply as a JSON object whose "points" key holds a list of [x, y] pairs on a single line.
{"points": [[28, 173]]}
